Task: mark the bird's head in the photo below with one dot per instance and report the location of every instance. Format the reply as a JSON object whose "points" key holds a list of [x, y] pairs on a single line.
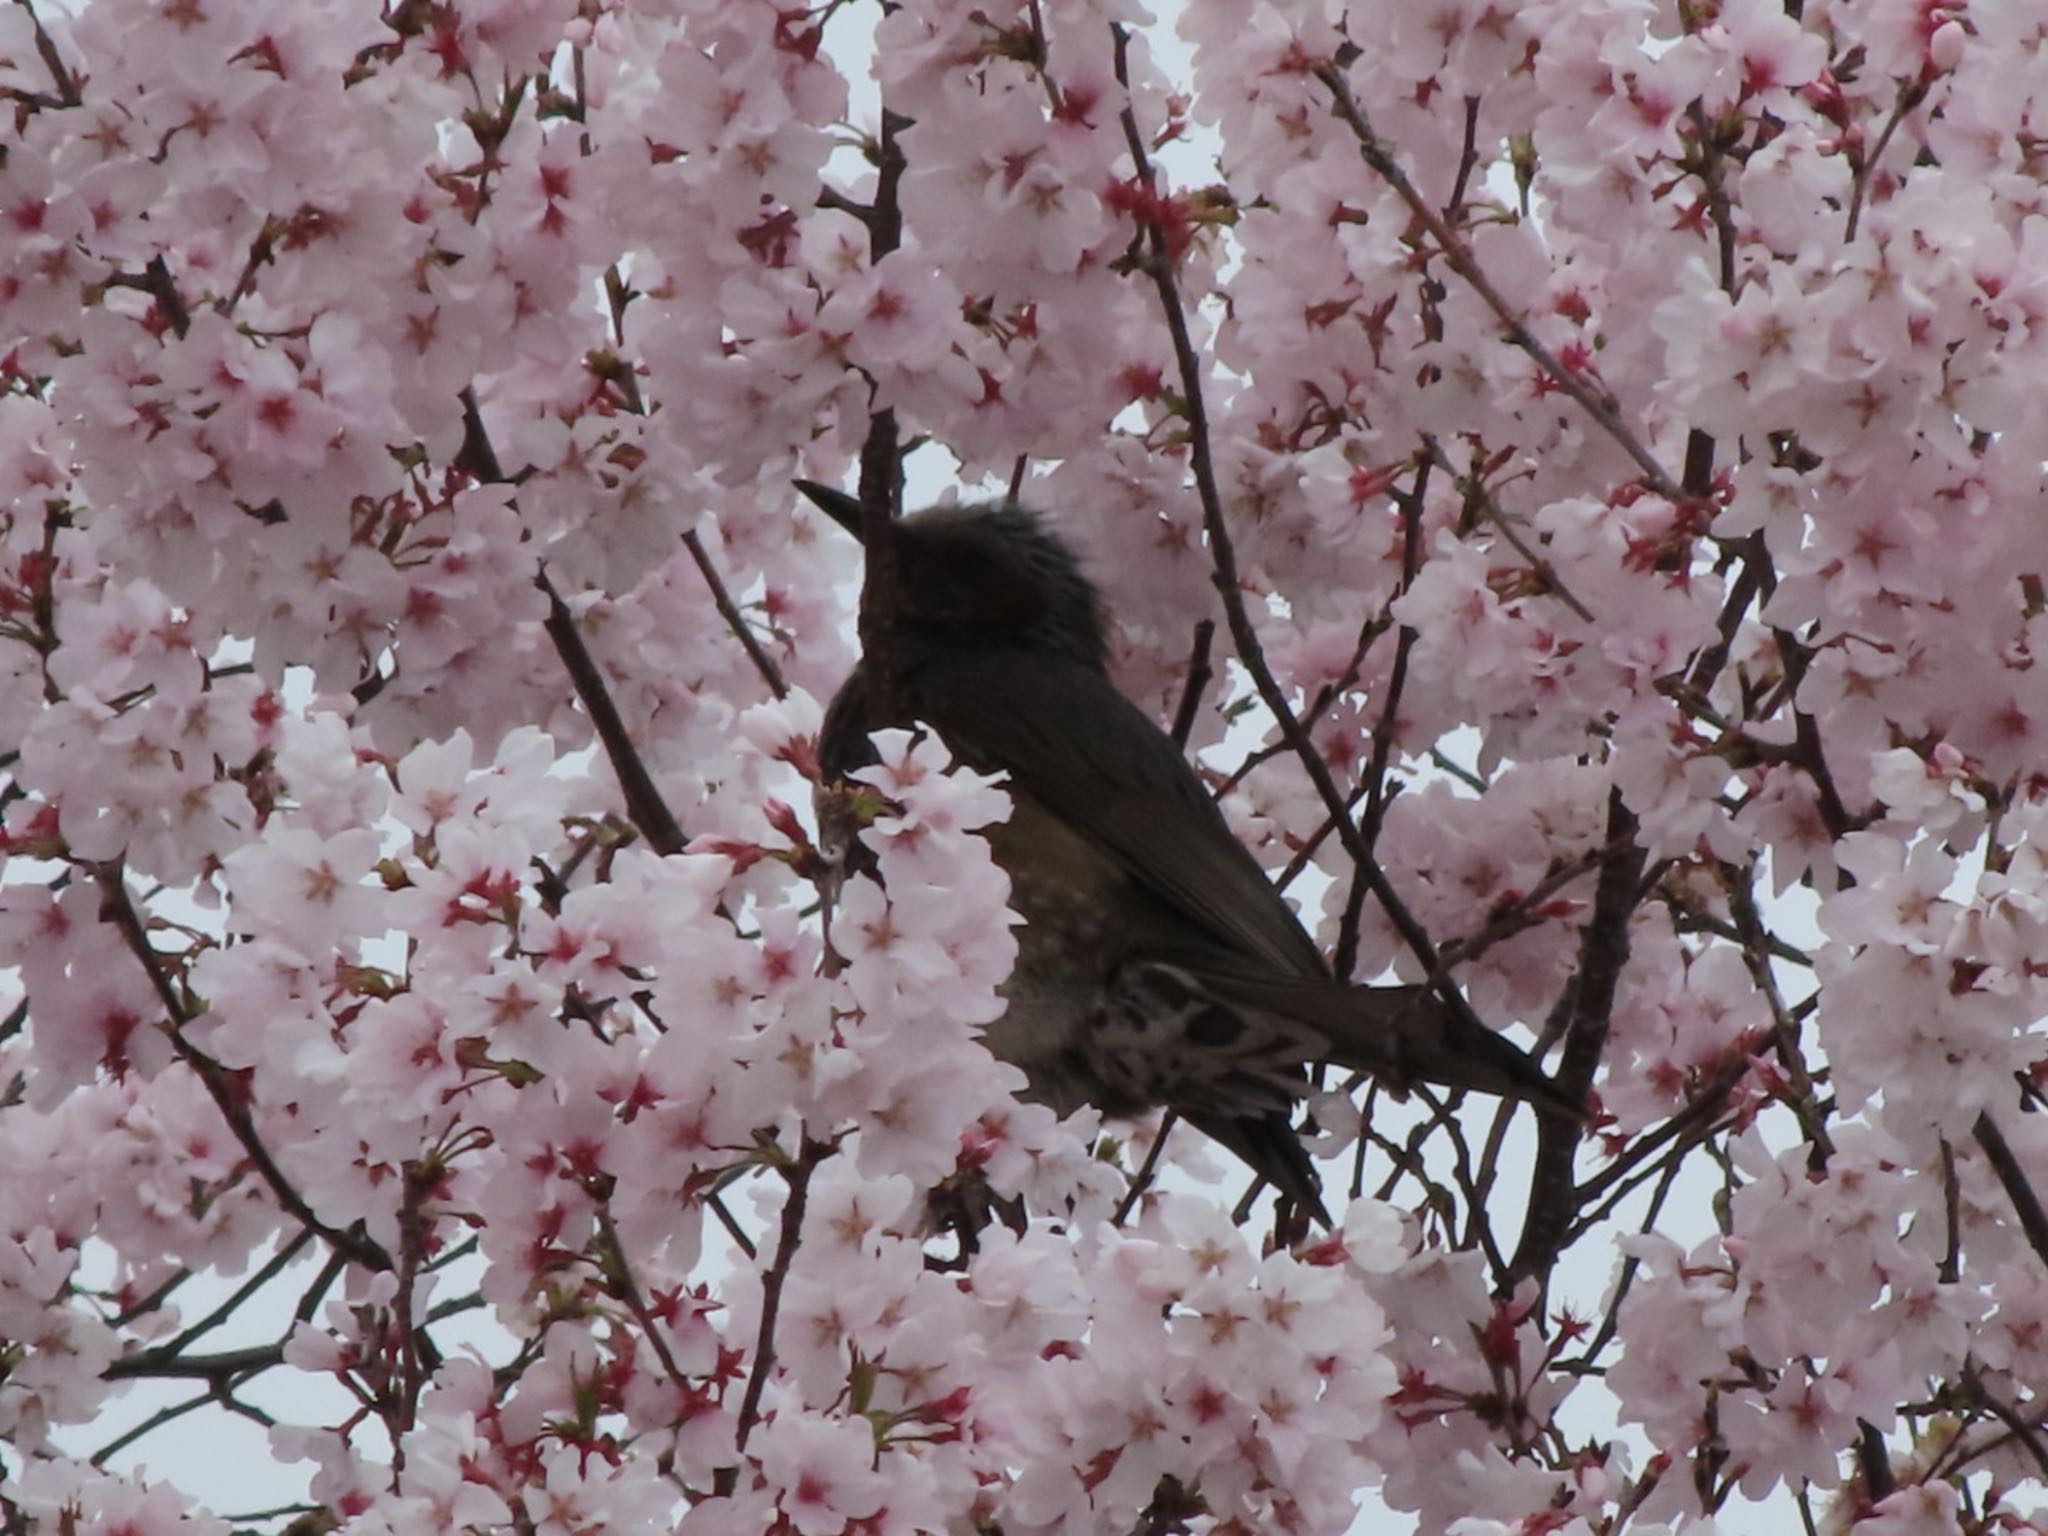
{"points": [[986, 577]]}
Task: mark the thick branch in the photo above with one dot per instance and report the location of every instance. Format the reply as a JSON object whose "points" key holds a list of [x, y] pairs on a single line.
{"points": [[881, 465], [221, 1367], [1603, 952]]}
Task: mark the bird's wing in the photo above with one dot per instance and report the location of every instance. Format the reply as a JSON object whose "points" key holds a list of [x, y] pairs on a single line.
{"points": [[1401, 1035], [1095, 760]]}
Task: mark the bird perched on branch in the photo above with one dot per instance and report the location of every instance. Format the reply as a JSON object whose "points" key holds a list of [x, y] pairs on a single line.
{"points": [[1157, 964]]}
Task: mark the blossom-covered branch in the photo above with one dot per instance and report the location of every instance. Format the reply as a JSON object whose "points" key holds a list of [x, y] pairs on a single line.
{"points": [[1568, 474]]}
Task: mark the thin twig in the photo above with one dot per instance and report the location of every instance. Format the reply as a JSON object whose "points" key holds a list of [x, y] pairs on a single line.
{"points": [[1305, 854], [618, 1273], [1631, 1266], [1688, 1128], [2017, 1427], [1468, 162], [1326, 697], [734, 619], [1749, 926], [155, 1421], [1593, 402], [309, 1303], [1519, 915], [2012, 1178], [46, 48], [733, 1229], [1911, 94], [798, 1173], [1142, 1180], [1197, 683], [644, 804], [1481, 500], [170, 1349], [154, 1300], [1377, 798], [241, 1519], [1223, 558], [1754, 577], [115, 908]]}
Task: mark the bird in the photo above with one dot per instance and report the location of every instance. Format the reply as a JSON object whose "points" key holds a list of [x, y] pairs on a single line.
{"points": [[1157, 964]]}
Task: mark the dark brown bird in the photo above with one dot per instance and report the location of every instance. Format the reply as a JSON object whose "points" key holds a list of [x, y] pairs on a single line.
{"points": [[1157, 964]]}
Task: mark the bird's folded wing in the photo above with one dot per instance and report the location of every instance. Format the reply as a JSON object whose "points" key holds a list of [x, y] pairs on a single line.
{"points": [[1401, 1035], [1092, 758]]}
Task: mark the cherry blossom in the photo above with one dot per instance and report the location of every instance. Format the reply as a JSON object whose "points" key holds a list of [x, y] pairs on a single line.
{"points": [[1568, 471]]}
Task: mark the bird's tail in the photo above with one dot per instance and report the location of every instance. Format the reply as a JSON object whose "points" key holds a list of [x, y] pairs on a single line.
{"points": [[1269, 1145], [1401, 1036]]}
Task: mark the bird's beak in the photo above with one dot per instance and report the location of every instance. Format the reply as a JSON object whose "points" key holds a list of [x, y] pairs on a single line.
{"points": [[837, 505]]}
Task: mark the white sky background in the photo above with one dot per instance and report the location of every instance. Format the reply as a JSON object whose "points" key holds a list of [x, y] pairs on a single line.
{"points": [[227, 1461]]}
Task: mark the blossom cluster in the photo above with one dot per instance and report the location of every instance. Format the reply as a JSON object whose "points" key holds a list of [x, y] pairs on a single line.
{"points": [[1571, 471]]}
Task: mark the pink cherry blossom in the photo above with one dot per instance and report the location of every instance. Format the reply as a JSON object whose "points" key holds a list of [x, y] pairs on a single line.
{"points": [[1570, 470]]}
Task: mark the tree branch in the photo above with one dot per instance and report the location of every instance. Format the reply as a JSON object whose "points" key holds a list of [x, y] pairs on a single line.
{"points": [[1603, 952], [881, 463], [2012, 1178], [1594, 403], [644, 804], [115, 908], [68, 93], [798, 1174], [734, 619], [1223, 558], [1197, 683], [618, 1272]]}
